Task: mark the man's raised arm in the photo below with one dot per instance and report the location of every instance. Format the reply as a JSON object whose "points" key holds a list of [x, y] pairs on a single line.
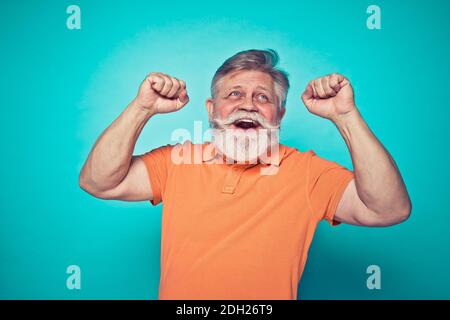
{"points": [[377, 196], [111, 171]]}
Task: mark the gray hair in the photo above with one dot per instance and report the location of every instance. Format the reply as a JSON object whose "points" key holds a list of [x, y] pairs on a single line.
{"points": [[260, 60]]}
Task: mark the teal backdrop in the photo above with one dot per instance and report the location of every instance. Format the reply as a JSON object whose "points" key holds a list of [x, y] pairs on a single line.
{"points": [[60, 88]]}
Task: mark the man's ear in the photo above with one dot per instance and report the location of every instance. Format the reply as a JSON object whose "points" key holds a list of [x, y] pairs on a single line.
{"points": [[210, 106]]}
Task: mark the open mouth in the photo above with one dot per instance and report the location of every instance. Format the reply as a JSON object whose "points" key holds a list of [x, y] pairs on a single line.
{"points": [[246, 124]]}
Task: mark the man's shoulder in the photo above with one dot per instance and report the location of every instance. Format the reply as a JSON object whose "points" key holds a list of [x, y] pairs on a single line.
{"points": [[186, 145], [294, 153], [185, 152]]}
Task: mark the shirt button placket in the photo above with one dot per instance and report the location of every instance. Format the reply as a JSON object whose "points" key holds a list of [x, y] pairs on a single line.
{"points": [[234, 173]]}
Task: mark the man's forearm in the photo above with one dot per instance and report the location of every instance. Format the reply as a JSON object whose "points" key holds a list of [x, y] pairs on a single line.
{"points": [[110, 158], [377, 178]]}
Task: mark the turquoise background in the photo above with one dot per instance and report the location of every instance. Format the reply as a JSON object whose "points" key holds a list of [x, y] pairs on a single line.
{"points": [[60, 88]]}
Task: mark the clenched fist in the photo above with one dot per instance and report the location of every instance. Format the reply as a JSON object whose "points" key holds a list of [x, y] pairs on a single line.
{"points": [[161, 93], [329, 96]]}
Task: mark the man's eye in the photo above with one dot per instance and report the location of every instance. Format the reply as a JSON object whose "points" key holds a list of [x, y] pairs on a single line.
{"points": [[263, 98], [234, 94]]}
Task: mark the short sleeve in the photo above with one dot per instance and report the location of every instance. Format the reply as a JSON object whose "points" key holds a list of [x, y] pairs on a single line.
{"points": [[157, 163], [327, 181]]}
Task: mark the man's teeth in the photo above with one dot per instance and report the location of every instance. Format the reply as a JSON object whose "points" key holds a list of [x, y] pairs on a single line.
{"points": [[246, 121]]}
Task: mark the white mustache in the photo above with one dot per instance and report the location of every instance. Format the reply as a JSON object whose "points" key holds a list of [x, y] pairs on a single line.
{"points": [[241, 114]]}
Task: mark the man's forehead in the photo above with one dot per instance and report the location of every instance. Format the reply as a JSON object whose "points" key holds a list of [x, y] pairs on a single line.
{"points": [[243, 77], [238, 86]]}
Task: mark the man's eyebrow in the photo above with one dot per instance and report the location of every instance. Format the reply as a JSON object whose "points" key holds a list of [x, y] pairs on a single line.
{"points": [[240, 87], [234, 87], [263, 88]]}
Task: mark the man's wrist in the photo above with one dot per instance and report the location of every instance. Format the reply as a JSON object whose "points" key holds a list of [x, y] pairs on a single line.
{"points": [[349, 123], [142, 111], [346, 119]]}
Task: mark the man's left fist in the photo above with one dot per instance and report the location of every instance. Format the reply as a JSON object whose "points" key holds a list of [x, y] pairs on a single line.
{"points": [[329, 96]]}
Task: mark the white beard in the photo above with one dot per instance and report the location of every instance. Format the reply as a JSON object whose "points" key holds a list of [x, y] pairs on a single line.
{"points": [[245, 146]]}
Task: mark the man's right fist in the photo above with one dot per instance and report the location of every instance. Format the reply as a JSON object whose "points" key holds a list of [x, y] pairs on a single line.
{"points": [[161, 93]]}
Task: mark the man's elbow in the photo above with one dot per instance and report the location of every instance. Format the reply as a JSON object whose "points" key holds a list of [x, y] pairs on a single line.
{"points": [[88, 186], [405, 211], [386, 217], [397, 216], [84, 183]]}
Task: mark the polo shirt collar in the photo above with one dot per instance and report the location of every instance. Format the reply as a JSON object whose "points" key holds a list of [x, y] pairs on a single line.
{"points": [[274, 159]]}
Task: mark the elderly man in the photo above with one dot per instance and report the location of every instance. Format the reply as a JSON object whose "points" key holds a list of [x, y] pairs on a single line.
{"points": [[229, 230]]}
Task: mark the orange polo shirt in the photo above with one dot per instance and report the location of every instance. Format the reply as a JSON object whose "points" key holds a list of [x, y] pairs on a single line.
{"points": [[231, 232]]}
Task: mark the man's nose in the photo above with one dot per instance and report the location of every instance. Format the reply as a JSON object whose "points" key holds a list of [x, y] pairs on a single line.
{"points": [[248, 105]]}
